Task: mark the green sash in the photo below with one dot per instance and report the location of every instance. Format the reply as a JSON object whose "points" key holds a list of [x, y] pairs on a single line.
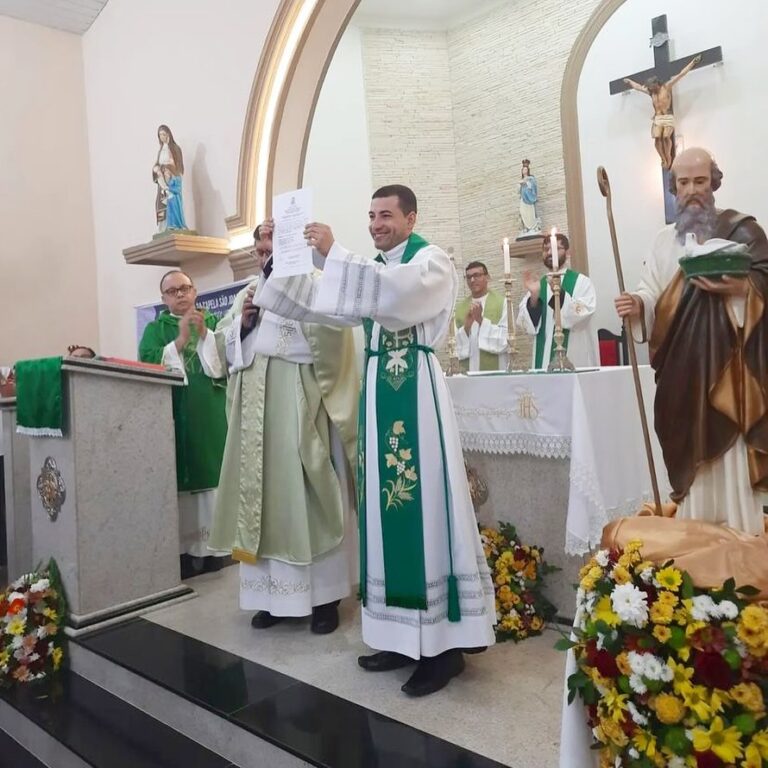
{"points": [[494, 305], [400, 491], [39, 410], [567, 284]]}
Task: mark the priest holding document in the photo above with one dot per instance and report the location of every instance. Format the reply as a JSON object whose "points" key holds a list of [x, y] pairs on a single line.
{"points": [[425, 586]]}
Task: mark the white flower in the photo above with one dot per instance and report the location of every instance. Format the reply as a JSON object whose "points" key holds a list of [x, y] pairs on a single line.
{"points": [[40, 586], [42, 632], [703, 607], [653, 668], [647, 575], [638, 718], [630, 604], [727, 610], [17, 641], [637, 685], [634, 754], [601, 558], [676, 762], [16, 596]]}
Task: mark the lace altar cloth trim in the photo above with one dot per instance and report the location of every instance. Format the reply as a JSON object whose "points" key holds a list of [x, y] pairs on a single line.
{"points": [[543, 446]]}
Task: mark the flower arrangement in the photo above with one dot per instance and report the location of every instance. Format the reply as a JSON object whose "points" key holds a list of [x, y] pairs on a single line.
{"points": [[518, 572], [32, 614], [671, 675]]}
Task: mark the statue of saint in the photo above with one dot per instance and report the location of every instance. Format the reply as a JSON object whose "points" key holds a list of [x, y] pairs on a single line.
{"points": [[663, 125], [529, 194], [166, 173]]}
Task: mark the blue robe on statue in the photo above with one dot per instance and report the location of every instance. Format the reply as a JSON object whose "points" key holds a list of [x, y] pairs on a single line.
{"points": [[175, 205]]}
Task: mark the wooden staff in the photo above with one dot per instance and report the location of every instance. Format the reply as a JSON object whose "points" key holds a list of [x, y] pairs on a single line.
{"points": [[605, 189]]}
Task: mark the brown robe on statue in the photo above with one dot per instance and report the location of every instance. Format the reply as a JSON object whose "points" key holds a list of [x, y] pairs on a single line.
{"points": [[711, 376]]}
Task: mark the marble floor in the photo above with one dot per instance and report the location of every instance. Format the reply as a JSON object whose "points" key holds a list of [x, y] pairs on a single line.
{"points": [[505, 706]]}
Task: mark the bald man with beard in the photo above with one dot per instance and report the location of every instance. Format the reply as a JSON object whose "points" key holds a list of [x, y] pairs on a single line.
{"points": [[708, 343]]}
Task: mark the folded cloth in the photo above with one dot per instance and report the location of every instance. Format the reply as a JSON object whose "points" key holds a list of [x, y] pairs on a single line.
{"points": [[39, 397], [710, 553]]}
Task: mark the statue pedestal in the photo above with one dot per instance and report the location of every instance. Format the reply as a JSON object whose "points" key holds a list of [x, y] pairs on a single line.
{"points": [[178, 250], [110, 514], [526, 247]]}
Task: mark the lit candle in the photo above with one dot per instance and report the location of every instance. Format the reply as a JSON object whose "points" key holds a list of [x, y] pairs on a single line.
{"points": [[505, 248], [553, 246]]}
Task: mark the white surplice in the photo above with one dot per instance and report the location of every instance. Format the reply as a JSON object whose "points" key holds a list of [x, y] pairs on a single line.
{"points": [[576, 314], [721, 491], [398, 296], [486, 336], [282, 588]]}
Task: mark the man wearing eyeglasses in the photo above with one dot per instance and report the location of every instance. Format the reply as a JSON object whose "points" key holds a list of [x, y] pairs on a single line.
{"points": [[481, 322], [198, 412]]}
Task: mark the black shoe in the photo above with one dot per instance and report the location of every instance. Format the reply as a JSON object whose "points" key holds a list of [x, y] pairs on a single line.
{"points": [[384, 661], [434, 673], [264, 620], [213, 563], [325, 618], [479, 649]]}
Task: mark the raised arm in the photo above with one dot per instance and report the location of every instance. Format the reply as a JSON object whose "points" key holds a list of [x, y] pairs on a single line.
{"points": [[636, 86], [685, 70]]}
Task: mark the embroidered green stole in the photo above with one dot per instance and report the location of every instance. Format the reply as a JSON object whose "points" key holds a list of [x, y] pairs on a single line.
{"points": [[567, 284], [400, 491], [494, 305]]}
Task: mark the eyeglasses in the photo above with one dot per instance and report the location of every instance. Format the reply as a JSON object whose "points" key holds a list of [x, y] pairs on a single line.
{"points": [[182, 290], [476, 276]]}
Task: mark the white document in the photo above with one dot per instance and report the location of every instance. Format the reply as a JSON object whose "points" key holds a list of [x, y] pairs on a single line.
{"points": [[291, 255]]}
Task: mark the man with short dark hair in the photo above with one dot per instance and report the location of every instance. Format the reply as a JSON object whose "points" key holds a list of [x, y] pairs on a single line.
{"points": [[425, 585], [198, 413], [708, 343], [481, 322], [578, 301]]}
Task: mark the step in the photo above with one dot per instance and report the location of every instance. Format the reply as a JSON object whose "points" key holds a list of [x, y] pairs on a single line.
{"points": [[81, 724], [13, 754], [249, 713]]}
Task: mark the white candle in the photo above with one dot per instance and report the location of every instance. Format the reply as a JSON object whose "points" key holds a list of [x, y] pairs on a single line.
{"points": [[553, 246], [505, 248]]}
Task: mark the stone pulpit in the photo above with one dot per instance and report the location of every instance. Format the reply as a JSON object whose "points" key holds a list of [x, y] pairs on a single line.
{"points": [[102, 499]]}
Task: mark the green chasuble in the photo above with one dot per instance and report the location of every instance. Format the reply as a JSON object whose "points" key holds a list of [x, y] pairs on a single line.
{"points": [[198, 408], [494, 306], [567, 284]]}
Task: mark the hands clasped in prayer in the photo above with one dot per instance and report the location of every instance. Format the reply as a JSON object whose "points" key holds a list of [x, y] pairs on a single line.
{"points": [[192, 318]]}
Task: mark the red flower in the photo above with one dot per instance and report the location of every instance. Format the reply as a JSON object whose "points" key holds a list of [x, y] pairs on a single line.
{"points": [[16, 606], [708, 760], [606, 664], [709, 638], [711, 669]]}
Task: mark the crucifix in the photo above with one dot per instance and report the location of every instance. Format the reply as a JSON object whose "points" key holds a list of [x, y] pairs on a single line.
{"points": [[657, 83]]}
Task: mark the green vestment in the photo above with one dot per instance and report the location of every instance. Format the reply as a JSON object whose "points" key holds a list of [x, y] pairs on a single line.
{"points": [[198, 408], [494, 306]]}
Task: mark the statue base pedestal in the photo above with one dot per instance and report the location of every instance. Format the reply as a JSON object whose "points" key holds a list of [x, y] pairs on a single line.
{"points": [[177, 249]]}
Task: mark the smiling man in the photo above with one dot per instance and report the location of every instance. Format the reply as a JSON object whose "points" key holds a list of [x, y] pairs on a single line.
{"points": [[708, 340], [425, 586]]}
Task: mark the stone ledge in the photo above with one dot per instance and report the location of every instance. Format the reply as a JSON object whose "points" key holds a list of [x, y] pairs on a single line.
{"points": [[177, 250]]}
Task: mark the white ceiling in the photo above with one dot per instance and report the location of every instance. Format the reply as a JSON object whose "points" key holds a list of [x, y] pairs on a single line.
{"points": [[431, 14], [70, 15]]}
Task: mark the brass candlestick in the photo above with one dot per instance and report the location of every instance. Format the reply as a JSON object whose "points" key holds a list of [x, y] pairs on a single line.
{"points": [[559, 361], [453, 361]]}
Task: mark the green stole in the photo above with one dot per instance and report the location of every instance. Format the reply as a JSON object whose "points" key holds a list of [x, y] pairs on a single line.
{"points": [[568, 283], [494, 305], [400, 491]]}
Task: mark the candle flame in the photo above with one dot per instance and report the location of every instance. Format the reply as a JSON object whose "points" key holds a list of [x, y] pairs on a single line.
{"points": [[506, 241], [553, 232]]}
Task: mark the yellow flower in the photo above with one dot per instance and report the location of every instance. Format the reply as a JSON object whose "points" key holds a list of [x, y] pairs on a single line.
{"points": [[51, 614], [536, 623], [684, 653], [760, 743], [506, 557], [622, 662], [606, 755], [501, 579], [645, 742], [696, 700], [615, 704], [57, 656], [4, 656], [614, 732], [661, 613], [669, 709], [398, 428], [587, 584], [391, 459], [682, 675], [644, 565], [604, 612], [694, 626], [753, 630], [749, 696], [724, 742], [662, 634], [596, 572], [15, 626], [505, 593], [625, 560], [752, 758], [633, 546], [669, 578], [668, 598], [621, 575]]}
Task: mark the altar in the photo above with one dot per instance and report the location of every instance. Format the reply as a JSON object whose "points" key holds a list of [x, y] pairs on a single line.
{"points": [[562, 454]]}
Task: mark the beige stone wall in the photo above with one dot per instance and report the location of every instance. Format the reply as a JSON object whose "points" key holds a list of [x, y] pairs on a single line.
{"points": [[410, 124]]}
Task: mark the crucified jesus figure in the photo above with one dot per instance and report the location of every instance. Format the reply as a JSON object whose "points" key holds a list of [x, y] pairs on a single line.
{"points": [[663, 125]]}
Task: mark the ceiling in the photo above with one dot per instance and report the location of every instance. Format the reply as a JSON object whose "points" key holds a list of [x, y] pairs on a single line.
{"points": [[432, 14], [69, 15]]}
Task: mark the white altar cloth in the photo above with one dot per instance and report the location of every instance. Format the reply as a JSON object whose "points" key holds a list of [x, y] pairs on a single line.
{"points": [[590, 417]]}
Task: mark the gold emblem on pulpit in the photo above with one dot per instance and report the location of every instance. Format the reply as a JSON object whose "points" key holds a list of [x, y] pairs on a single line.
{"points": [[478, 489], [51, 488], [526, 406]]}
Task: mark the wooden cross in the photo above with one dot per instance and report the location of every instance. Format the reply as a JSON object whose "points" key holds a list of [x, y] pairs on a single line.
{"points": [[666, 73]]}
